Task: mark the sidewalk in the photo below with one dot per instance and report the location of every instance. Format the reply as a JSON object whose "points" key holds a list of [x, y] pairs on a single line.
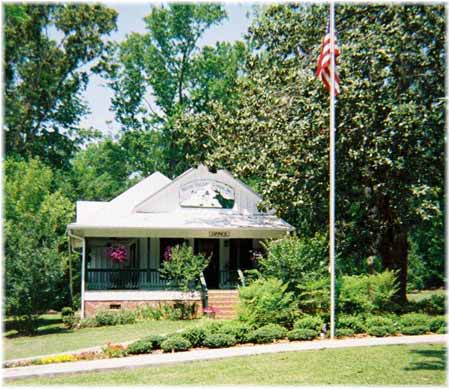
{"points": [[209, 354]]}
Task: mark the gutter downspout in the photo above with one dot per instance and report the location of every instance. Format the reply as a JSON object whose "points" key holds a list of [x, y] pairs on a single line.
{"points": [[82, 269]]}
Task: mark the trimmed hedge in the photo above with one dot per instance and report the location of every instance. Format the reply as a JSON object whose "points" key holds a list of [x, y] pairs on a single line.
{"points": [[414, 320], [240, 330], [381, 330], [437, 322], [268, 333], [309, 322], [175, 343], [194, 335], [219, 340], [349, 322], [415, 330], [302, 334]]}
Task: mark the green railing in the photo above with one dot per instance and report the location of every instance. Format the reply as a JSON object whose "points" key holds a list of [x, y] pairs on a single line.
{"points": [[106, 279]]}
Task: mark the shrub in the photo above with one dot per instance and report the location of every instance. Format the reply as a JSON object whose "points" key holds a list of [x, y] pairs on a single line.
{"points": [[309, 322], [213, 326], [67, 311], [175, 343], [442, 330], [433, 305], [415, 330], [185, 310], [219, 340], [70, 321], [379, 321], [314, 296], [414, 320], [194, 335], [147, 312], [240, 330], [295, 260], [145, 345], [266, 301], [88, 322], [269, 333], [182, 267], [381, 330], [125, 317], [302, 334], [348, 322], [437, 322], [367, 293], [341, 332], [105, 318]]}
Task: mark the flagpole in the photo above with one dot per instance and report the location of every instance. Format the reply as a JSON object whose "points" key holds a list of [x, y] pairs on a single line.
{"points": [[332, 176]]}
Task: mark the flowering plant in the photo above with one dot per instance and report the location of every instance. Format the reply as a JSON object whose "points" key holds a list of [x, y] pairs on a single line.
{"points": [[118, 254], [167, 253]]}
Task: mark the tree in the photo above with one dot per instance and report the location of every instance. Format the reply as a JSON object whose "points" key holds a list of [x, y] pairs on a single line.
{"points": [[36, 254], [45, 74], [158, 75], [390, 134]]}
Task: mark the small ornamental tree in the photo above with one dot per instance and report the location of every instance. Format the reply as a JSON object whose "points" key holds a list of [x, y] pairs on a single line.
{"points": [[182, 267]]}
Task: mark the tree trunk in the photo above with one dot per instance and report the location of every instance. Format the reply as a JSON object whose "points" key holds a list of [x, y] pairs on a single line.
{"points": [[393, 249]]}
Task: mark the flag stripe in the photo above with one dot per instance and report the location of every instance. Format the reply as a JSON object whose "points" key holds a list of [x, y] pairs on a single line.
{"points": [[323, 71]]}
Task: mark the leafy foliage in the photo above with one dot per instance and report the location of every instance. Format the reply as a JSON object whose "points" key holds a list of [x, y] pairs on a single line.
{"points": [[268, 333], [301, 334], [266, 301], [36, 255], [175, 343], [219, 340], [44, 76], [183, 268], [309, 322]]}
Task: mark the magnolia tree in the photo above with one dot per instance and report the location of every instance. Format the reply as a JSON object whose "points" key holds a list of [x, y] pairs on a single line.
{"points": [[390, 127]]}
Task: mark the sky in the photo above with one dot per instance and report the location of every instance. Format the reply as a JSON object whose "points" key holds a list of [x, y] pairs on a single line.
{"points": [[130, 19]]}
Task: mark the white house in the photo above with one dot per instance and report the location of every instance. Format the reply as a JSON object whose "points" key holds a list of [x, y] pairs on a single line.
{"points": [[215, 213]]}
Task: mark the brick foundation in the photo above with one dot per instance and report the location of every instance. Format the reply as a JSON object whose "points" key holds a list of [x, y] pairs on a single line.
{"points": [[91, 307]]}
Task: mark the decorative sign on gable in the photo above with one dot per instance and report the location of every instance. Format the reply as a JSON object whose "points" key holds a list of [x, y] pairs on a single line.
{"points": [[207, 194]]}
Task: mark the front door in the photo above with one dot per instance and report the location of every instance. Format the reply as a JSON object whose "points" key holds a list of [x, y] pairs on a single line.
{"points": [[210, 247]]}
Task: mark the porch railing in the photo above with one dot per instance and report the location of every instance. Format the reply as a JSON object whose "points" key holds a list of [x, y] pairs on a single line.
{"points": [[106, 279], [228, 279]]}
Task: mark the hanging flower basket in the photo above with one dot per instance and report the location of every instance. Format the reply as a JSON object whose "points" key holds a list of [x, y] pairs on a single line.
{"points": [[118, 254]]}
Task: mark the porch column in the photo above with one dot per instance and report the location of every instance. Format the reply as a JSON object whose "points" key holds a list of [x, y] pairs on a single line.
{"points": [[83, 274]]}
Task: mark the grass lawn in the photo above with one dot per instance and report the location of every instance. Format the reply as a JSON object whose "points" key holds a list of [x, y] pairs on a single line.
{"points": [[421, 294], [54, 338], [380, 365]]}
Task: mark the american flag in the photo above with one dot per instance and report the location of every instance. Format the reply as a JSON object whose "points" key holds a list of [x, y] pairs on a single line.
{"points": [[324, 63]]}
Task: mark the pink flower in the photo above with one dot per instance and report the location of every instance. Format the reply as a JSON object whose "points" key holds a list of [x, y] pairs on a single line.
{"points": [[118, 254]]}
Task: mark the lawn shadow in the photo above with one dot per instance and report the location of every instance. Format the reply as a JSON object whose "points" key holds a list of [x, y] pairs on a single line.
{"points": [[432, 359], [47, 325]]}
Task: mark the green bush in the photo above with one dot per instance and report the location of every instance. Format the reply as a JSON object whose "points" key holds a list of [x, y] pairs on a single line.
{"points": [[147, 312], [381, 330], [125, 317], [379, 321], [175, 343], [349, 322], [433, 305], [295, 260], [437, 322], [414, 330], [219, 340], [88, 322], [194, 335], [213, 326], [106, 318], [341, 332], [185, 310], [414, 320], [146, 345], [302, 334], [314, 296], [309, 322], [367, 293], [266, 301], [442, 330], [268, 333], [67, 311], [240, 330], [140, 347]]}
